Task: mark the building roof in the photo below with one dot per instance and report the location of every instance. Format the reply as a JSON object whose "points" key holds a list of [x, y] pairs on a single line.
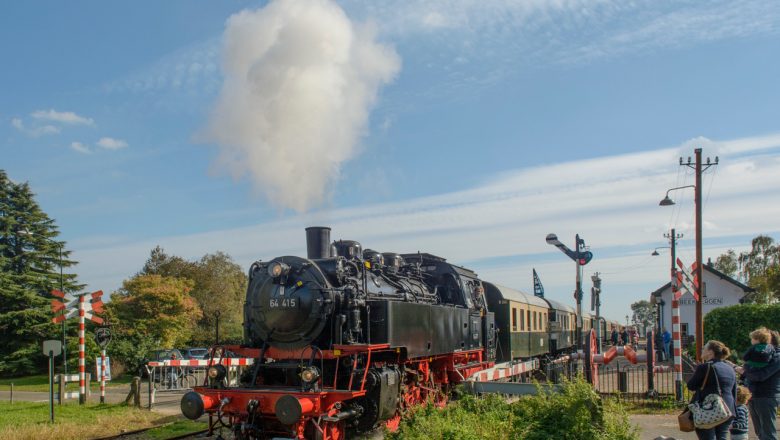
{"points": [[712, 270]]}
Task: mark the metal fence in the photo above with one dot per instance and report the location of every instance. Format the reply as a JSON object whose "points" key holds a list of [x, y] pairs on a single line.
{"points": [[622, 381]]}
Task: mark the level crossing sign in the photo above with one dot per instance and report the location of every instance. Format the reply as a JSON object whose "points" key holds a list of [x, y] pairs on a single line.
{"points": [[686, 280]]}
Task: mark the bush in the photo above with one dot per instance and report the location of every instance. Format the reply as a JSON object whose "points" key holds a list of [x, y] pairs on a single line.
{"points": [[732, 325], [575, 413]]}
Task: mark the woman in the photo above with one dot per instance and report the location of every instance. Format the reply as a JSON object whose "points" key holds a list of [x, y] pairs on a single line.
{"points": [[713, 353], [764, 383]]}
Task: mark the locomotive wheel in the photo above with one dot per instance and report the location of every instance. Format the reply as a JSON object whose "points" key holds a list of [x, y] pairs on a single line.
{"points": [[330, 431]]}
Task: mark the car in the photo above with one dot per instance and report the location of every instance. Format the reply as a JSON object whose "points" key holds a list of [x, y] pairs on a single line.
{"points": [[196, 353]]}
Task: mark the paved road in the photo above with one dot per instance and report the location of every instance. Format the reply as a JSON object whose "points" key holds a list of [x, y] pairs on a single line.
{"points": [[165, 402]]}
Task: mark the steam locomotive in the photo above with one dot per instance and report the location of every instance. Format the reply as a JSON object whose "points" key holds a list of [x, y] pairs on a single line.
{"points": [[347, 339]]}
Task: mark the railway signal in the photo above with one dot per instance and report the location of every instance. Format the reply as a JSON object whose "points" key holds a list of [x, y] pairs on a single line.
{"points": [[581, 256], [71, 305]]}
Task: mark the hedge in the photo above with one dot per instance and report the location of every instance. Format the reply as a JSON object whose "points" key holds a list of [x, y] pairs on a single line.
{"points": [[732, 325], [576, 413]]}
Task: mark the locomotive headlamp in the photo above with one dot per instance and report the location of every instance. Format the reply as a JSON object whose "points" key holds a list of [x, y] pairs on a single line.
{"points": [[310, 374], [217, 372], [277, 269]]}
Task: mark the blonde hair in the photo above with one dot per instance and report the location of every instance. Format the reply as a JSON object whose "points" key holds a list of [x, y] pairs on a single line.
{"points": [[719, 349], [743, 395], [762, 335]]}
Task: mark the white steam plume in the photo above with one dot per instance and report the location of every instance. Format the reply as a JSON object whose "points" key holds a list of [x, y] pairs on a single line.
{"points": [[300, 80]]}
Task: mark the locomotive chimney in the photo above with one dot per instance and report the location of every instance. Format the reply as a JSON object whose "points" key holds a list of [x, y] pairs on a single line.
{"points": [[317, 242]]}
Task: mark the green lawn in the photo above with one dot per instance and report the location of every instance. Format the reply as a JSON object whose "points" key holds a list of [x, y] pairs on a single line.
{"points": [[30, 420], [179, 427], [41, 383]]}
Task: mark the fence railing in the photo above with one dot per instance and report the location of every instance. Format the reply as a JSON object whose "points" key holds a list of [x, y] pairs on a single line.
{"points": [[181, 375]]}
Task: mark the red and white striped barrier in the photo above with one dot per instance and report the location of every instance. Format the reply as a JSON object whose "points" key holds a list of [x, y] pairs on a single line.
{"points": [[231, 362], [504, 370]]}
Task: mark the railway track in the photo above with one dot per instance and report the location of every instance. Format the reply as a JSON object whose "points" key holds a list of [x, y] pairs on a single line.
{"points": [[132, 434]]}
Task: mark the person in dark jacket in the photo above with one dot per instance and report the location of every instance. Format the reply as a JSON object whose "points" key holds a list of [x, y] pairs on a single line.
{"points": [[764, 383], [625, 336], [720, 374], [614, 337]]}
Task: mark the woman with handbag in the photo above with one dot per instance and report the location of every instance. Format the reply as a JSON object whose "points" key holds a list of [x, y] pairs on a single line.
{"points": [[715, 384]]}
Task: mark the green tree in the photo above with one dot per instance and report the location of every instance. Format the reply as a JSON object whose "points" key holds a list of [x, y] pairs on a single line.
{"points": [[156, 308], [759, 268], [644, 314], [30, 257], [219, 287], [728, 263]]}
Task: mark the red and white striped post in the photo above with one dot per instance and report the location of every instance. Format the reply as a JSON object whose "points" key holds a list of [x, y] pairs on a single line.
{"points": [[82, 372], [677, 342], [103, 376]]}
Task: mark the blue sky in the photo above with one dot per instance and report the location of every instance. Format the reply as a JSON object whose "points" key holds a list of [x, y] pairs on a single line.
{"points": [[479, 127]]}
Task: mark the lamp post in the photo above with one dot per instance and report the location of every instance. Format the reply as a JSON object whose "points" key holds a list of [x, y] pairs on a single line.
{"points": [[59, 247]]}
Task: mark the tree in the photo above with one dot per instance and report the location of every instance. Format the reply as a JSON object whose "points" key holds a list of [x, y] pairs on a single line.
{"points": [[644, 314], [219, 286], [759, 268], [155, 308], [727, 263], [29, 270]]}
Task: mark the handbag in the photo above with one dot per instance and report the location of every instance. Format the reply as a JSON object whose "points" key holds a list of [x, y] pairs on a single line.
{"points": [[685, 421], [712, 410]]}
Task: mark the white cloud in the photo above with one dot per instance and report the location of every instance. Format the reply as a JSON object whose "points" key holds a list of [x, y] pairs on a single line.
{"points": [[36, 131], [111, 143], [300, 81], [499, 227], [79, 147], [62, 117]]}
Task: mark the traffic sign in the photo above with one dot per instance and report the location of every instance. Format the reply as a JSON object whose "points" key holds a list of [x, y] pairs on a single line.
{"points": [[52, 345], [102, 336]]}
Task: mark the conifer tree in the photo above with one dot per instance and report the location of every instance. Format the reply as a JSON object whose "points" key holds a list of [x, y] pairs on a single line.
{"points": [[30, 257]]}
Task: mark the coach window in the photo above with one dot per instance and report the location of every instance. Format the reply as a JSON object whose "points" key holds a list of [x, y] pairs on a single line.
{"points": [[522, 320], [514, 319], [535, 328]]}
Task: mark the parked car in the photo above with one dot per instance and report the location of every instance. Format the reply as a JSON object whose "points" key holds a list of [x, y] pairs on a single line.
{"points": [[196, 353]]}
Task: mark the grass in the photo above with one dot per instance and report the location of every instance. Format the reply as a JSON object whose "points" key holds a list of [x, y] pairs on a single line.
{"points": [[41, 383], [179, 427], [30, 420]]}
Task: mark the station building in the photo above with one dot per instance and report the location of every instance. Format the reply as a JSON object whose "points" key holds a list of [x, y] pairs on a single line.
{"points": [[720, 290]]}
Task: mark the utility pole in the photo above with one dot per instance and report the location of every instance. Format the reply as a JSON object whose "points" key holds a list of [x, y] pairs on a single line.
{"points": [[699, 168]]}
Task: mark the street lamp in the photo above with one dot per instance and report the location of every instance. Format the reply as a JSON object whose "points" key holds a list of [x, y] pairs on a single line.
{"points": [[59, 246], [655, 251], [669, 202]]}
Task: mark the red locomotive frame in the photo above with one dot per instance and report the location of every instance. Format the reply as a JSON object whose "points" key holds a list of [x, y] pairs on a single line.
{"points": [[423, 379]]}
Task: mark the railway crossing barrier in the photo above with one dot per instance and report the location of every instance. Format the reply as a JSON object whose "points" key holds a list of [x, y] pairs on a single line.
{"points": [[189, 373], [505, 378], [62, 380]]}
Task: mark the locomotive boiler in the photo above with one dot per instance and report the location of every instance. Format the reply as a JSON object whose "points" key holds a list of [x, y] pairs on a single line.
{"points": [[345, 340]]}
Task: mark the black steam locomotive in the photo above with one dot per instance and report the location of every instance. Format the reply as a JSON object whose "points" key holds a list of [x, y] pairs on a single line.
{"points": [[346, 339]]}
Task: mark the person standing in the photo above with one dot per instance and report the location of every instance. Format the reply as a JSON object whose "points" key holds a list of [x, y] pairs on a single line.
{"points": [[614, 338], [667, 343], [720, 379], [625, 336], [764, 383], [741, 423]]}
